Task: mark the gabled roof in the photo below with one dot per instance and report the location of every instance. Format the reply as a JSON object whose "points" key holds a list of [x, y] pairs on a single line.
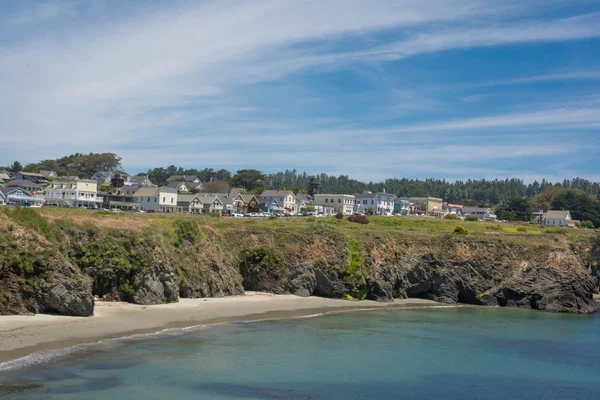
{"points": [[210, 200], [185, 178], [468, 209], [32, 174], [8, 190], [166, 189], [147, 192], [25, 183], [277, 193], [186, 198], [176, 184], [46, 173], [557, 214]]}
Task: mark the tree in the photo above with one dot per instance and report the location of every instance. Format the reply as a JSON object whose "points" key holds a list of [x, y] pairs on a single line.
{"points": [[249, 179], [581, 205], [16, 167], [515, 209], [586, 224], [370, 210]]}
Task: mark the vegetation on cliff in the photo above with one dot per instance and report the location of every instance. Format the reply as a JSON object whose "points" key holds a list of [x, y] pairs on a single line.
{"points": [[55, 260]]}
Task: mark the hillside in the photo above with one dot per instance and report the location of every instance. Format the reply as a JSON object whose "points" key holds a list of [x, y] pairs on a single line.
{"points": [[55, 260]]}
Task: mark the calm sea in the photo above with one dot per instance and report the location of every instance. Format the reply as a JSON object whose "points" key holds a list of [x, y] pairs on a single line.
{"points": [[464, 353]]}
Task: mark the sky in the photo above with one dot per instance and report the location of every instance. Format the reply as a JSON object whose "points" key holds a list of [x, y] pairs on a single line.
{"points": [[374, 89]]}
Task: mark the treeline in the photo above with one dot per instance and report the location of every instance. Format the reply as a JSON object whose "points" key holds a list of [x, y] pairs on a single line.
{"points": [[80, 165], [481, 192]]}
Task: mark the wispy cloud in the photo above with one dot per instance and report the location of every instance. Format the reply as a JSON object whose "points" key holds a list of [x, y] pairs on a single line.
{"points": [[177, 84]]}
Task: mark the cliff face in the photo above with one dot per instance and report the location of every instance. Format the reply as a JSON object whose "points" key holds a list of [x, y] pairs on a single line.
{"points": [[57, 268]]}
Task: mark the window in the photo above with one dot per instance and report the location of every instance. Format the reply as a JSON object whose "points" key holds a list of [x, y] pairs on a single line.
{"points": [[155, 199], [326, 200], [171, 200], [339, 201], [164, 199], [371, 201], [148, 199]]}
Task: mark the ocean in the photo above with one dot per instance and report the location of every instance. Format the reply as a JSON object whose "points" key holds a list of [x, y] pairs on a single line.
{"points": [[451, 353]]}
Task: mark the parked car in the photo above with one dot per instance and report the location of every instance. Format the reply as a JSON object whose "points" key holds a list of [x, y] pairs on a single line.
{"points": [[237, 215], [116, 210], [141, 211]]}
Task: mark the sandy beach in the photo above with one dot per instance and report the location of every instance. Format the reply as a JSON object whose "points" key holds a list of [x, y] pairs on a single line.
{"points": [[23, 335]]}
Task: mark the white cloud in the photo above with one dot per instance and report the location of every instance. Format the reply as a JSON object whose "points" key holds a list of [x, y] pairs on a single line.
{"points": [[164, 86]]}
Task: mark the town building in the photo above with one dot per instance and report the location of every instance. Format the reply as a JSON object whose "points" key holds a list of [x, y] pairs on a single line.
{"points": [[427, 206], [190, 203], [286, 199], [479, 212], [341, 203], [112, 178], [28, 186], [76, 193], [30, 176], [402, 206], [378, 203], [246, 203], [141, 181], [49, 175], [158, 199], [19, 196], [558, 218], [304, 203], [121, 199], [456, 209]]}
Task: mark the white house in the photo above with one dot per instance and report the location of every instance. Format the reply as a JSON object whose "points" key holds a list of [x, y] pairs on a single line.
{"points": [[557, 218], [211, 204], [158, 199], [181, 186], [284, 198], [18, 196], [380, 202], [479, 212], [75, 193], [190, 203], [141, 181]]}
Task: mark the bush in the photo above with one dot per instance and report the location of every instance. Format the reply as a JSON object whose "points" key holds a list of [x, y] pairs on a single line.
{"points": [[272, 216], [586, 224], [370, 211], [312, 218], [359, 219], [450, 216], [459, 230], [215, 214], [471, 218], [339, 215]]}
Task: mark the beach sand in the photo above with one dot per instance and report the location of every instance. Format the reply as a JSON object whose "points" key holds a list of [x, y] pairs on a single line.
{"points": [[23, 335]]}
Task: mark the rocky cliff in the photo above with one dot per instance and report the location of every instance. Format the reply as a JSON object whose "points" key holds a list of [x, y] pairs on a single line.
{"points": [[57, 265]]}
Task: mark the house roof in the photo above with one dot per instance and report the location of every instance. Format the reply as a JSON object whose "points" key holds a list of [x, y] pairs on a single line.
{"points": [[276, 193], [364, 195], [7, 190], [304, 197], [185, 178], [25, 183], [247, 198], [147, 192], [557, 214], [176, 184], [210, 199], [455, 205], [186, 198], [166, 189], [468, 209], [46, 173], [33, 174]]}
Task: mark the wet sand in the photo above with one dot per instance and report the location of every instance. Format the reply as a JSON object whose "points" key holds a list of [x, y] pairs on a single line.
{"points": [[23, 335]]}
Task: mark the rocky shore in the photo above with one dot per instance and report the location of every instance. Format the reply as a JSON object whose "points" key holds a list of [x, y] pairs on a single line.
{"points": [[58, 266]]}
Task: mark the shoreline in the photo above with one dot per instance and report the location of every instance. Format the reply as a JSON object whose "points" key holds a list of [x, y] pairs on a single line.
{"points": [[23, 335]]}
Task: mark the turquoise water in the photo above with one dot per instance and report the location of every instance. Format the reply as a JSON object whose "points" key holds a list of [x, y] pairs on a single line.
{"points": [[463, 353]]}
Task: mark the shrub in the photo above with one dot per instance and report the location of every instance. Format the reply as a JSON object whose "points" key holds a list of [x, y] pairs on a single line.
{"points": [[471, 218], [312, 218], [215, 214], [459, 230], [359, 219], [450, 216], [586, 224], [186, 231], [272, 216], [370, 211], [339, 215]]}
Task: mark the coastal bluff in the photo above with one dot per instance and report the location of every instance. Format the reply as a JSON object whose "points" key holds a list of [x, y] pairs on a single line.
{"points": [[57, 261]]}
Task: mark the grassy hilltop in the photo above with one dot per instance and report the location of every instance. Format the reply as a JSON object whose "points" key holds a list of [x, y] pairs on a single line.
{"points": [[155, 258]]}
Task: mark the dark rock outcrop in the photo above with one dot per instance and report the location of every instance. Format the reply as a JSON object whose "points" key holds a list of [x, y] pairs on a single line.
{"points": [[69, 293], [158, 286]]}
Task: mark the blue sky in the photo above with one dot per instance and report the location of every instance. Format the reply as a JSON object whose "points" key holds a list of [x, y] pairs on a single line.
{"points": [[371, 89]]}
